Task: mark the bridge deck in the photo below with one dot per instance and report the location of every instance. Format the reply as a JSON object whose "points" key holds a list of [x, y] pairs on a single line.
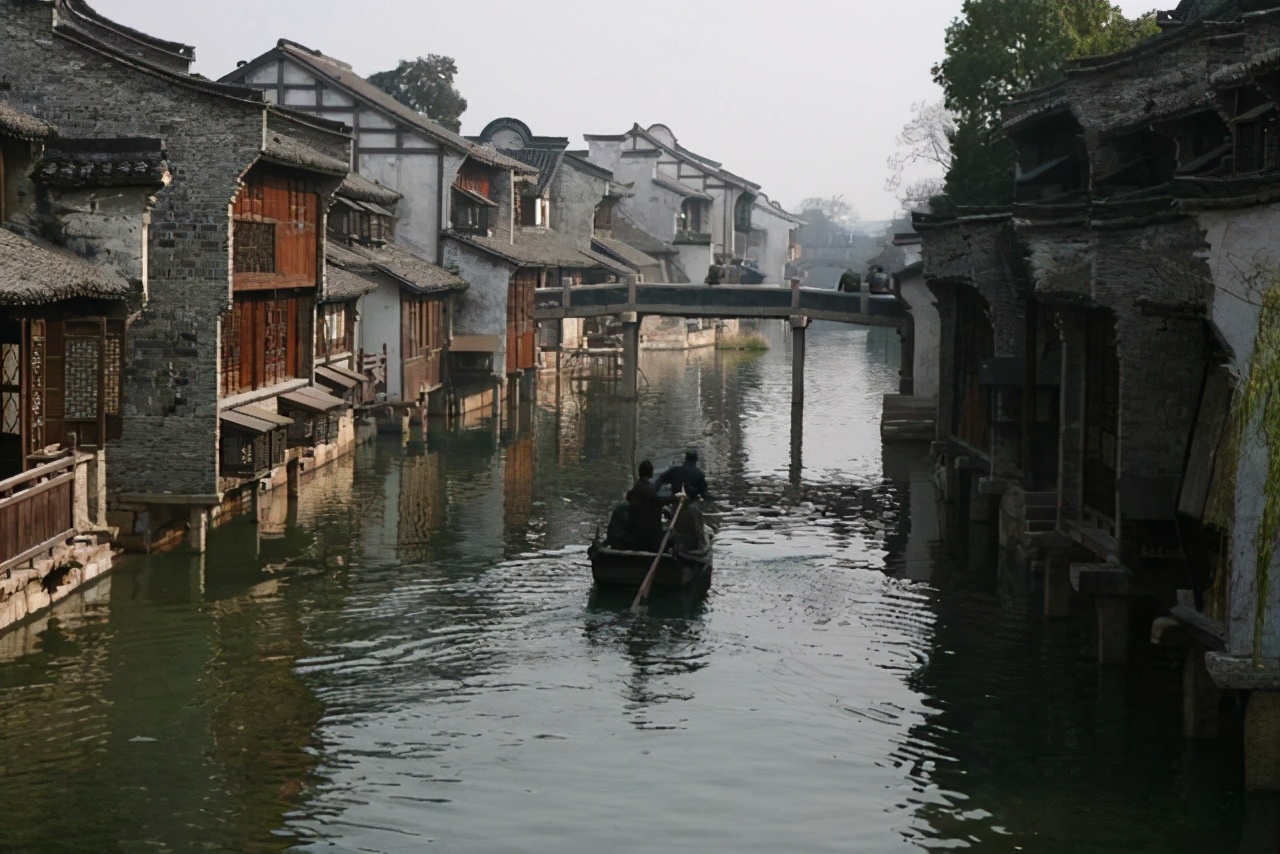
{"points": [[726, 301]]}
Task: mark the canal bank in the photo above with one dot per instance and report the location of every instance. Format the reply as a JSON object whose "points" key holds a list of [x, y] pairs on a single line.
{"points": [[412, 659]]}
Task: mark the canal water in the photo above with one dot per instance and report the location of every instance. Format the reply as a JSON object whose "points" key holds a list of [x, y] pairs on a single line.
{"points": [[410, 657]]}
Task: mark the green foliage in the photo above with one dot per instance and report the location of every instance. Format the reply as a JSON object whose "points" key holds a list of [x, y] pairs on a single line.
{"points": [[1259, 404], [998, 48], [982, 168], [425, 85], [745, 342]]}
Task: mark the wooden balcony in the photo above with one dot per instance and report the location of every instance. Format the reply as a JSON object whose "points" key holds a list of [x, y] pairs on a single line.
{"points": [[37, 511]]}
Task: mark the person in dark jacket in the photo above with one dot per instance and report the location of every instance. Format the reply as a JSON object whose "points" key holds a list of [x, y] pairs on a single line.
{"points": [[688, 477], [646, 509]]}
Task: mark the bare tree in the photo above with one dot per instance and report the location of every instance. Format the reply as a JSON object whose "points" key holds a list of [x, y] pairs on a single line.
{"points": [[917, 195], [834, 208], [925, 139]]}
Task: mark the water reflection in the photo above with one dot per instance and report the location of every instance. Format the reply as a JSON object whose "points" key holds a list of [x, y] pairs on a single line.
{"points": [[410, 656]]}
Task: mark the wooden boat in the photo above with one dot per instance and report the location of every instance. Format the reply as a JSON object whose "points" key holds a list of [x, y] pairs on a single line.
{"points": [[623, 568]]}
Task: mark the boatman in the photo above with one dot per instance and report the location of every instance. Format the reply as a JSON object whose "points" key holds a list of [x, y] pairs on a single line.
{"points": [[687, 477], [646, 509]]}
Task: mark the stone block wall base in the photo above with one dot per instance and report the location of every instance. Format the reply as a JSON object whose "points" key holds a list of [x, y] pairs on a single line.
{"points": [[1057, 587], [1262, 742], [198, 530], [1200, 697], [1113, 629], [28, 592]]}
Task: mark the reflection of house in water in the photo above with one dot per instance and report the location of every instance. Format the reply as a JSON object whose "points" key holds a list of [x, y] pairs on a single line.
{"points": [[517, 478], [421, 508]]}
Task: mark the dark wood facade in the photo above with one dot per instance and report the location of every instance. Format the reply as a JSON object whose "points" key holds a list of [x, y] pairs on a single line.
{"points": [[267, 336], [59, 378], [423, 333], [522, 345]]}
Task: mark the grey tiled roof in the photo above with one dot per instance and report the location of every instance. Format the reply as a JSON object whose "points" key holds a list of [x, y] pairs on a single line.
{"points": [[682, 189], [578, 160], [545, 160], [536, 248], [625, 253], [15, 122], [33, 273], [355, 186], [628, 232], [288, 151], [406, 269]]}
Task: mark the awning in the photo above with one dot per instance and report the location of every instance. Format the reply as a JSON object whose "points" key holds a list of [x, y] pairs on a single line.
{"points": [[265, 414], [240, 421], [475, 344], [475, 197], [336, 380], [255, 419], [312, 399]]}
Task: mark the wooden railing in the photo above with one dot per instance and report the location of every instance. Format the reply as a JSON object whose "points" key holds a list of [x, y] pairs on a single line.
{"points": [[37, 511]]}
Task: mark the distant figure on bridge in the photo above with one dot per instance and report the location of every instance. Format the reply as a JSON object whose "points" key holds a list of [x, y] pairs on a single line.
{"points": [[646, 510], [686, 476], [850, 282], [878, 281]]}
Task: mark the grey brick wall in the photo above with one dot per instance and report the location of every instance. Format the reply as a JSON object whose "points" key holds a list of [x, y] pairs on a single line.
{"points": [[169, 441]]}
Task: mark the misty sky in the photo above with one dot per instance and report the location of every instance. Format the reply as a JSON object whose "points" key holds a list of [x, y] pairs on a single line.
{"points": [[804, 97]]}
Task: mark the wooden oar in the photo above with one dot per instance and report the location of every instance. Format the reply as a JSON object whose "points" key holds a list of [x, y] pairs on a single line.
{"points": [[643, 593]]}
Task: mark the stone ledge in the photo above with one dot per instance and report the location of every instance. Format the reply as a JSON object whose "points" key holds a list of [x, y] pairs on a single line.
{"points": [[1100, 579], [1240, 673]]}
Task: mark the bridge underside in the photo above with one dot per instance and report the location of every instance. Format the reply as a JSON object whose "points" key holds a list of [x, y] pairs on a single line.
{"points": [[719, 301]]}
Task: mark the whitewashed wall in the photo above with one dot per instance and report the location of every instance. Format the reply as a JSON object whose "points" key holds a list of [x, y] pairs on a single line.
{"points": [[482, 308], [928, 336], [380, 324]]}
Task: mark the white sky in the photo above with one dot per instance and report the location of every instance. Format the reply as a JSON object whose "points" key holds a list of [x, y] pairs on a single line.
{"points": [[804, 97]]}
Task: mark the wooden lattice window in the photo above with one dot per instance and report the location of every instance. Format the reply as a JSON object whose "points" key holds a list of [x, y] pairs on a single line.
{"points": [[112, 361], [11, 388], [469, 215], [255, 247], [231, 355], [81, 367], [266, 339], [336, 331], [742, 212], [36, 367], [276, 350]]}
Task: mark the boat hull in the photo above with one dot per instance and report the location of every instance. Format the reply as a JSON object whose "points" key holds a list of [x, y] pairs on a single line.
{"points": [[621, 568]]}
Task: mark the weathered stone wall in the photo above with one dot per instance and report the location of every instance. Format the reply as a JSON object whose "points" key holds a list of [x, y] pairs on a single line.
{"points": [[772, 257], [574, 197], [1161, 77], [106, 227], [482, 309], [171, 384], [981, 252]]}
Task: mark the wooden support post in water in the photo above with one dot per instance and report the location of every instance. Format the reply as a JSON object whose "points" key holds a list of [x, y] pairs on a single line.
{"points": [[798, 326], [630, 353]]}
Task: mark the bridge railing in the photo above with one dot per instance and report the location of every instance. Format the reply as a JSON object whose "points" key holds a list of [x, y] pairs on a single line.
{"points": [[733, 300]]}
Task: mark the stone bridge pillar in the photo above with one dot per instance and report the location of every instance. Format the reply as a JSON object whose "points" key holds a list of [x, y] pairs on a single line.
{"points": [[630, 353]]}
